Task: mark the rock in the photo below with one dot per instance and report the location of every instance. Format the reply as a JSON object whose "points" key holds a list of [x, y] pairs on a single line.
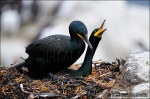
{"points": [[121, 91], [141, 90], [136, 68], [135, 72]]}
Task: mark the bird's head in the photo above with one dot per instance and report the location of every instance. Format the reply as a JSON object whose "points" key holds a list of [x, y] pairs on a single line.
{"points": [[99, 31], [79, 30]]}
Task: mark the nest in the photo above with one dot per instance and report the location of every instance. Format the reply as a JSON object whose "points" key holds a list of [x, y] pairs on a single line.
{"points": [[104, 77]]}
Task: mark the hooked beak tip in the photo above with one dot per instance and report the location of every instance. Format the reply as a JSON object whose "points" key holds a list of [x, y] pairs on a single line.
{"points": [[91, 47], [88, 42]]}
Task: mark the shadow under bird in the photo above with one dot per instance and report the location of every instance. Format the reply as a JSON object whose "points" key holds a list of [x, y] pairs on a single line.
{"points": [[56, 52], [86, 68]]}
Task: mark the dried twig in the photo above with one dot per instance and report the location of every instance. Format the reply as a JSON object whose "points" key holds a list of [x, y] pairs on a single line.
{"points": [[43, 95], [104, 74], [22, 89], [93, 62], [77, 83], [102, 94], [109, 84], [98, 61], [37, 95], [79, 95]]}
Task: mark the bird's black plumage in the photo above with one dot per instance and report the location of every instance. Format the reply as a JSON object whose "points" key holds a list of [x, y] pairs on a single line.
{"points": [[56, 52], [86, 67]]}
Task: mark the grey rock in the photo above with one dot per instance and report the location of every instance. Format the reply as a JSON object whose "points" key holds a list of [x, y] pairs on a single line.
{"points": [[135, 72], [141, 90], [136, 68]]}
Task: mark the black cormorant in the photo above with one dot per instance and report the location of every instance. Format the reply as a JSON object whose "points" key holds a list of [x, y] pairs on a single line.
{"points": [[86, 67], [56, 52]]}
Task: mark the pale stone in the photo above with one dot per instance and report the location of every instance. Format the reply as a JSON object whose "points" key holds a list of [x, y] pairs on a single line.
{"points": [[136, 68], [141, 91]]}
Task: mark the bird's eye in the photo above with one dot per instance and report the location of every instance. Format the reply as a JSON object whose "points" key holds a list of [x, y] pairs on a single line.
{"points": [[95, 31]]}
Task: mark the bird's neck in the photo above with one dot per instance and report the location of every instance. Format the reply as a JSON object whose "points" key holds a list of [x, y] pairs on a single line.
{"points": [[86, 67]]}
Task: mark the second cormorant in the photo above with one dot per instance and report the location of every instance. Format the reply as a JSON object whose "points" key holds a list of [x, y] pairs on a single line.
{"points": [[86, 68]]}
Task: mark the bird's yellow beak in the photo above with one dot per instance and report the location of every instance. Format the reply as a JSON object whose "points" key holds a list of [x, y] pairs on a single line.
{"points": [[86, 40], [100, 30], [80, 36]]}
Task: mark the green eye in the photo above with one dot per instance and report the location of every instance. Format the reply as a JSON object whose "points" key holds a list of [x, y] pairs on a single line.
{"points": [[95, 31]]}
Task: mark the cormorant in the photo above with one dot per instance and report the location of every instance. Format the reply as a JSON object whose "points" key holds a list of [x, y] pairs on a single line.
{"points": [[56, 52], [86, 68]]}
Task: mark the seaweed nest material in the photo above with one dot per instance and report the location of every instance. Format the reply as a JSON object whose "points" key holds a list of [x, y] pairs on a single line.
{"points": [[105, 77]]}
